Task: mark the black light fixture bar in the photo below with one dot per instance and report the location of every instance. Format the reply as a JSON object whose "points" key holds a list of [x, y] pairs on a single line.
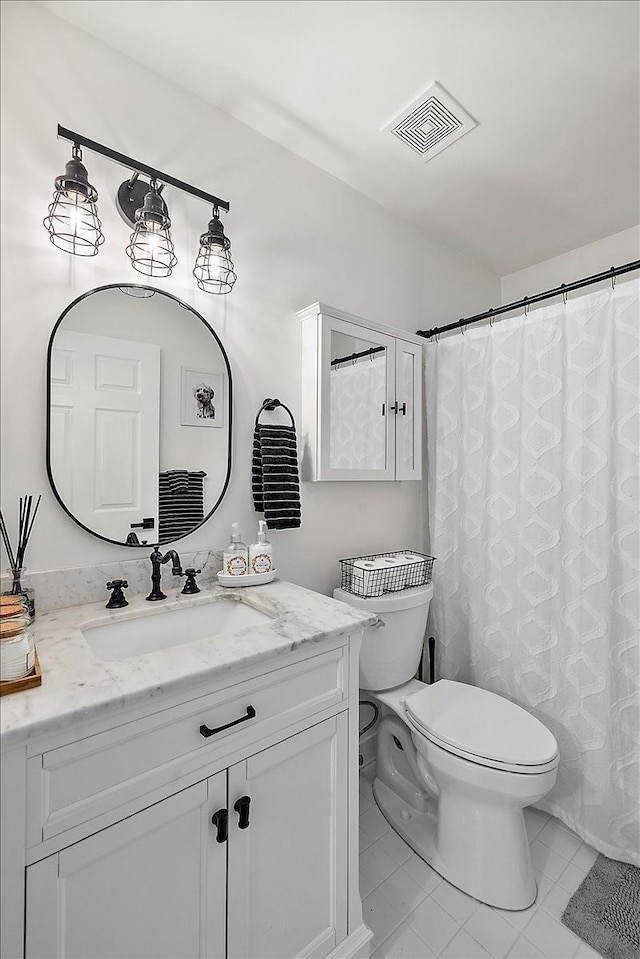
{"points": [[527, 301], [139, 167]]}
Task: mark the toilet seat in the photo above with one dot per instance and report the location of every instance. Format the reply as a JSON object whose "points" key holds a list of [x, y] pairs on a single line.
{"points": [[481, 727], [484, 760]]}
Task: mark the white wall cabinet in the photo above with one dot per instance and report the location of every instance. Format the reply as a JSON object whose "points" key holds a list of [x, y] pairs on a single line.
{"points": [[361, 398], [250, 863], [127, 850]]}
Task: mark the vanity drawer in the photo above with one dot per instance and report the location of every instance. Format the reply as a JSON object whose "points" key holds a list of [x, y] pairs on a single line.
{"points": [[86, 779]]}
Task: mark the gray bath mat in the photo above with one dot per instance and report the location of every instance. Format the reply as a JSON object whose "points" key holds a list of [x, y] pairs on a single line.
{"points": [[605, 909]]}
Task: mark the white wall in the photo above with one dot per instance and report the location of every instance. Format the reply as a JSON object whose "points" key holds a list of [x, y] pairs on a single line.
{"points": [[584, 261], [297, 235]]}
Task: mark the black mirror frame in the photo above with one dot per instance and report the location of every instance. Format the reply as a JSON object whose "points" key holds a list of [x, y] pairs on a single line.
{"points": [[184, 306]]}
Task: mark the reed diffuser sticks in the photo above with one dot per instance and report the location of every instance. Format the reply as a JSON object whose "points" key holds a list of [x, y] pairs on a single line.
{"points": [[26, 519]]}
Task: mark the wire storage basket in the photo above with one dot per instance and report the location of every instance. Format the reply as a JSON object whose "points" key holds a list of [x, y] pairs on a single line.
{"points": [[380, 573]]}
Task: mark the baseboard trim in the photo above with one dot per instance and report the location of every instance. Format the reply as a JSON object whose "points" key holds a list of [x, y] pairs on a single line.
{"points": [[355, 946]]}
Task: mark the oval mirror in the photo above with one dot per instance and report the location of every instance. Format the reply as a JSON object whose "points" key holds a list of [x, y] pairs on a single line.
{"points": [[139, 415]]}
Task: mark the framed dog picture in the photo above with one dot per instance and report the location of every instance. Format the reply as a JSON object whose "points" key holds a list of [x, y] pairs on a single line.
{"points": [[202, 398]]}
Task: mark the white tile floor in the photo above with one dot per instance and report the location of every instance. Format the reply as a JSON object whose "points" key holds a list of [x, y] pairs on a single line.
{"points": [[415, 914]]}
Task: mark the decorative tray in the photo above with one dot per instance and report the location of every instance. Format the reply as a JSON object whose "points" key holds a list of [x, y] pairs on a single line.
{"points": [[27, 682], [249, 579]]}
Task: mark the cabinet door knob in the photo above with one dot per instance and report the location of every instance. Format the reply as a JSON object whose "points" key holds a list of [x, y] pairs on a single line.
{"points": [[207, 731], [241, 806], [220, 820]]}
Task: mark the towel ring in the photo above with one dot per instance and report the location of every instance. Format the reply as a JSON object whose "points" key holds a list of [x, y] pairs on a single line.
{"points": [[272, 404]]}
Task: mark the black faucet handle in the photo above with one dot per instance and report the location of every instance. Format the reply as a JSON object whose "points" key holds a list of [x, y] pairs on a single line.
{"points": [[190, 585], [117, 599]]}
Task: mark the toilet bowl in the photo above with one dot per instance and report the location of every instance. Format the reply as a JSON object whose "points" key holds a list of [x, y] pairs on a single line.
{"points": [[456, 765]]}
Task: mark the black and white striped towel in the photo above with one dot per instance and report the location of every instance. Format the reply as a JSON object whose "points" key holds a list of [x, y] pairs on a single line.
{"points": [[274, 475], [180, 503]]}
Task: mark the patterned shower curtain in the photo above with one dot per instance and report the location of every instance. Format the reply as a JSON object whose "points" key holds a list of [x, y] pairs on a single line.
{"points": [[358, 429], [534, 514]]}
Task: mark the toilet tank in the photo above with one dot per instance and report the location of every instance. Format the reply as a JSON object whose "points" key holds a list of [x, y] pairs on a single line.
{"points": [[391, 651]]}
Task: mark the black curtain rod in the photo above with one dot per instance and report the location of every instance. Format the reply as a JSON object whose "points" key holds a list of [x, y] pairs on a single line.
{"points": [[526, 301], [356, 356], [140, 167]]}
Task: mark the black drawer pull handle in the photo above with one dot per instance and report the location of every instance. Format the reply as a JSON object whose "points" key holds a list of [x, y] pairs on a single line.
{"points": [[403, 409], [241, 806], [206, 731], [220, 820]]}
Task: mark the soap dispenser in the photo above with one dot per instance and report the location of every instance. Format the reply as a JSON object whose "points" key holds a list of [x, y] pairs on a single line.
{"points": [[235, 558], [261, 552]]}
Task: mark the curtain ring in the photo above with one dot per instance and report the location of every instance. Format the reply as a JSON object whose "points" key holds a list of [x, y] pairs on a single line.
{"points": [[613, 278], [461, 325], [564, 293], [526, 305], [491, 318]]}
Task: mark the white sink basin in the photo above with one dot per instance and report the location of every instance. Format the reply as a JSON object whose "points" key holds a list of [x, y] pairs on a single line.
{"points": [[170, 627]]}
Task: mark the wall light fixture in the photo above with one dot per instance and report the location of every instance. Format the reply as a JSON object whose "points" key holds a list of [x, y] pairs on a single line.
{"points": [[73, 222], [214, 266], [74, 226], [151, 249]]}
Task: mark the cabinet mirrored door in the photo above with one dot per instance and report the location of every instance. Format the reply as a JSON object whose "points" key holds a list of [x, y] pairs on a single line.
{"points": [[358, 367]]}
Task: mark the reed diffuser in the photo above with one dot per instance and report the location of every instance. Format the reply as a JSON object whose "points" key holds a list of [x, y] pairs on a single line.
{"points": [[16, 584]]}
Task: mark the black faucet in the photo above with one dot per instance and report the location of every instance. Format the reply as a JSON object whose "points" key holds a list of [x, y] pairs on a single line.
{"points": [[158, 560]]}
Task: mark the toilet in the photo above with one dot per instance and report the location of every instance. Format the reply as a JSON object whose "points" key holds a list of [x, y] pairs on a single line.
{"points": [[456, 765]]}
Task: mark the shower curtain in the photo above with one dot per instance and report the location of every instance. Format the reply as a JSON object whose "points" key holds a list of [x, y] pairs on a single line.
{"points": [[358, 431], [533, 484]]}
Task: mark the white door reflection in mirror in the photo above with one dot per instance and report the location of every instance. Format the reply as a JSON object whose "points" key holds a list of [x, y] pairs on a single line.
{"points": [[105, 404]]}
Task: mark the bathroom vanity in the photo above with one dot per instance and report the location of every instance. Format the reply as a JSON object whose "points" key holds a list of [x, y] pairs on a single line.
{"points": [[186, 797]]}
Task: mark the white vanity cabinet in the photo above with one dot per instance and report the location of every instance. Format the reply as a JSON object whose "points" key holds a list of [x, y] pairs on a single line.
{"points": [[361, 398], [148, 835], [249, 863], [151, 885]]}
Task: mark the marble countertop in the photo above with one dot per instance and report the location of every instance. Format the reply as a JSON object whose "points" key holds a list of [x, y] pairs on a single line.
{"points": [[78, 687]]}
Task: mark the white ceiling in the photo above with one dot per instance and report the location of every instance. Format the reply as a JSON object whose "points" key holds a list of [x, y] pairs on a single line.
{"points": [[553, 84]]}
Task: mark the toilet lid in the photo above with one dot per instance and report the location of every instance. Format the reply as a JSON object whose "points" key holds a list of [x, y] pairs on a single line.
{"points": [[481, 724]]}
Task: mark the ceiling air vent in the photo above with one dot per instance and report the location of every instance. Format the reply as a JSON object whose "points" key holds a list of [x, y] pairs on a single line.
{"points": [[432, 123]]}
